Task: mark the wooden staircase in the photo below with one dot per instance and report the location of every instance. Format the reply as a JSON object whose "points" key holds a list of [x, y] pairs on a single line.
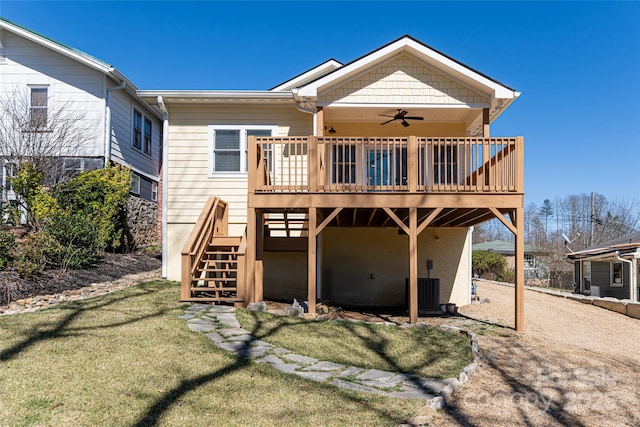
{"points": [[213, 267], [216, 276]]}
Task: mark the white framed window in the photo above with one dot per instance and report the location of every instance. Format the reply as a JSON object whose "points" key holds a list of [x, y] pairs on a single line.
{"points": [[154, 191], [137, 129], [10, 171], [147, 136], [228, 147], [617, 279], [135, 184], [38, 106]]}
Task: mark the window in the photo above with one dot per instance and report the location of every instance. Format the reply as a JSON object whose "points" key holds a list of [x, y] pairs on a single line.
{"points": [[137, 129], [38, 108], [445, 164], [586, 276], [344, 164], [135, 184], [228, 147], [10, 171], [616, 275], [154, 191], [147, 136], [529, 261]]}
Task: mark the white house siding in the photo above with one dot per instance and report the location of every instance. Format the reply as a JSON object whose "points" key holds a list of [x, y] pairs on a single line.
{"points": [[28, 63], [403, 80], [189, 183], [122, 150]]}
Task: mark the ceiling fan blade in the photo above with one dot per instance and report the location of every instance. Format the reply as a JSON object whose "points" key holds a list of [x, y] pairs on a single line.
{"points": [[388, 121], [414, 118], [402, 113], [386, 115], [405, 124]]}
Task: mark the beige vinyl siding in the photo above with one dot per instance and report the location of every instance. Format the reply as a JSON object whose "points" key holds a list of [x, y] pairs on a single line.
{"points": [[68, 82], [403, 80], [189, 183]]}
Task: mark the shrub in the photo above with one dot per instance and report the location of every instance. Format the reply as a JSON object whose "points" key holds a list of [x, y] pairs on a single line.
{"points": [[101, 195], [488, 265], [7, 243], [77, 240], [28, 185], [37, 251]]}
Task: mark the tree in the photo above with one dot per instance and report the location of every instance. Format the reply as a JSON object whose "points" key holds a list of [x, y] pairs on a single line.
{"points": [[546, 211], [41, 135], [37, 133]]}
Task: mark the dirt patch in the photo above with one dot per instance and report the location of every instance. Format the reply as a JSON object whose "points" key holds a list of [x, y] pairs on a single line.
{"points": [[109, 268]]}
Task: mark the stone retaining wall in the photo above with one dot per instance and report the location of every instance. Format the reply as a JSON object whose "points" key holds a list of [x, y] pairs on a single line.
{"points": [[142, 223]]}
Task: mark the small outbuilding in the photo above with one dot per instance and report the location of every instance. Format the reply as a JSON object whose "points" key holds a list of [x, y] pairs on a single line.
{"points": [[610, 269]]}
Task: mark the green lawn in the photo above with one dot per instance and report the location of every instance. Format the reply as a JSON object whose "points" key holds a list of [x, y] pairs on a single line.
{"points": [[425, 352], [125, 359]]}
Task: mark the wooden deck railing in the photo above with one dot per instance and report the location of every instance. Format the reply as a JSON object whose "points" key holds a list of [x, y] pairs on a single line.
{"points": [[413, 164], [213, 221]]}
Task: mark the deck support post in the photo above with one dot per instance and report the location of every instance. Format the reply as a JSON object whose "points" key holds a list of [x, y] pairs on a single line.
{"points": [[311, 260], [250, 255], [413, 265], [259, 269], [519, 285]]}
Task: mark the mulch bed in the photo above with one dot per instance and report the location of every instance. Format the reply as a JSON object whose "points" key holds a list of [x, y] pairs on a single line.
{"points": [[110, 267]]}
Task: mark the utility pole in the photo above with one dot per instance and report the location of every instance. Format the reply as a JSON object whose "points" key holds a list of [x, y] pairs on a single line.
{"points": [[593, 217]]}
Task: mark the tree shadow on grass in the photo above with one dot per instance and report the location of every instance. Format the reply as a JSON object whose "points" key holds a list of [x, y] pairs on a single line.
{"points": [[155, 411], [46, 331]]}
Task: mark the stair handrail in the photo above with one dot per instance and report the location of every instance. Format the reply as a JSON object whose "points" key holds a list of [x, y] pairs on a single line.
{"points": [[241, 279], [211, 222]]}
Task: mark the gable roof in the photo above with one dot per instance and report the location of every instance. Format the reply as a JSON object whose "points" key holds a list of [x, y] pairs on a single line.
{"points": [[423, 52], [308, 76], [75, 54], [627, 243]]}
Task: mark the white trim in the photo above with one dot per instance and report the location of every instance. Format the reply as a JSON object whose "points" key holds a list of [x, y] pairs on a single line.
{"points": [[242, 173], [313, 73], [403, 105], [428, 55], [215, 94]]}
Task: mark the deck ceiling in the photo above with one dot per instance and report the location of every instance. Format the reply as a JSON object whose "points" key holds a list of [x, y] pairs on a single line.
{"points": [[376, 217]]}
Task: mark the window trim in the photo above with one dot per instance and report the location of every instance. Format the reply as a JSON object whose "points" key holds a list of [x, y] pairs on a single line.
{"points": [[146, 145], [613, 269], [154, 191], [41, 107], [243, 172], [135, 189]]}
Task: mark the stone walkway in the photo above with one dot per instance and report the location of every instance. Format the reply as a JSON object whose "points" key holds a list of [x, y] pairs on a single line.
{"points": [[220, 325]]}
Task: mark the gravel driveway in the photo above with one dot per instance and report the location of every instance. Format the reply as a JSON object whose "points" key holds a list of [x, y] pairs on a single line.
{"points": [[575, 364]]}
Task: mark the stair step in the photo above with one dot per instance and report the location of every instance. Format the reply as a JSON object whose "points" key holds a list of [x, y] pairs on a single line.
{"points": [[214, 279], [211, 289], [212, 299], [226, 241]]}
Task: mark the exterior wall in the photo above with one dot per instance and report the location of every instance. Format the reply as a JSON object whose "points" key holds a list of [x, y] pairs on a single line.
{"points": [[412, 82], [378, 251], [189, 183], [601, 276], [68, 82], [391, 129], [122, 150]]}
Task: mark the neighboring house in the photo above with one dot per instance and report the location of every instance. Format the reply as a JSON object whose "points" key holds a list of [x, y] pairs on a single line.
{"points": [[532, 264], [122, 127], [610, 269], [343, 183]]}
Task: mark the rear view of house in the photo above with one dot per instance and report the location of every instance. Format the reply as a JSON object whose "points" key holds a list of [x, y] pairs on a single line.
{"points": [[349, 182]]}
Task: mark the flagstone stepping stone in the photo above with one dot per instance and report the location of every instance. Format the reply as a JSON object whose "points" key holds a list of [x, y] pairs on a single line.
{"points": [[300, 359], [314, 376], [324, 366]]}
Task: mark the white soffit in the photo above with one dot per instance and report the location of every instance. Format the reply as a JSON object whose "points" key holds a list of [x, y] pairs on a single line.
{"points": [[314, 73], [421, 52]]}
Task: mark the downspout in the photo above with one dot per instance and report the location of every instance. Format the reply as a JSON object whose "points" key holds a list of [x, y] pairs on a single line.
{"points": [[165, 176], [306, 106], [632, 276], [470, 242], [107, 122]]}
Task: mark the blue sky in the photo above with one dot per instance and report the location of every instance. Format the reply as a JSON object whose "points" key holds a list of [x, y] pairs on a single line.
{"points": [[577, 64]]}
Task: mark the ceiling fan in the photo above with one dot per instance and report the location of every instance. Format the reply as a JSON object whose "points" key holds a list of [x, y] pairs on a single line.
{"points": [[402, 115]]}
